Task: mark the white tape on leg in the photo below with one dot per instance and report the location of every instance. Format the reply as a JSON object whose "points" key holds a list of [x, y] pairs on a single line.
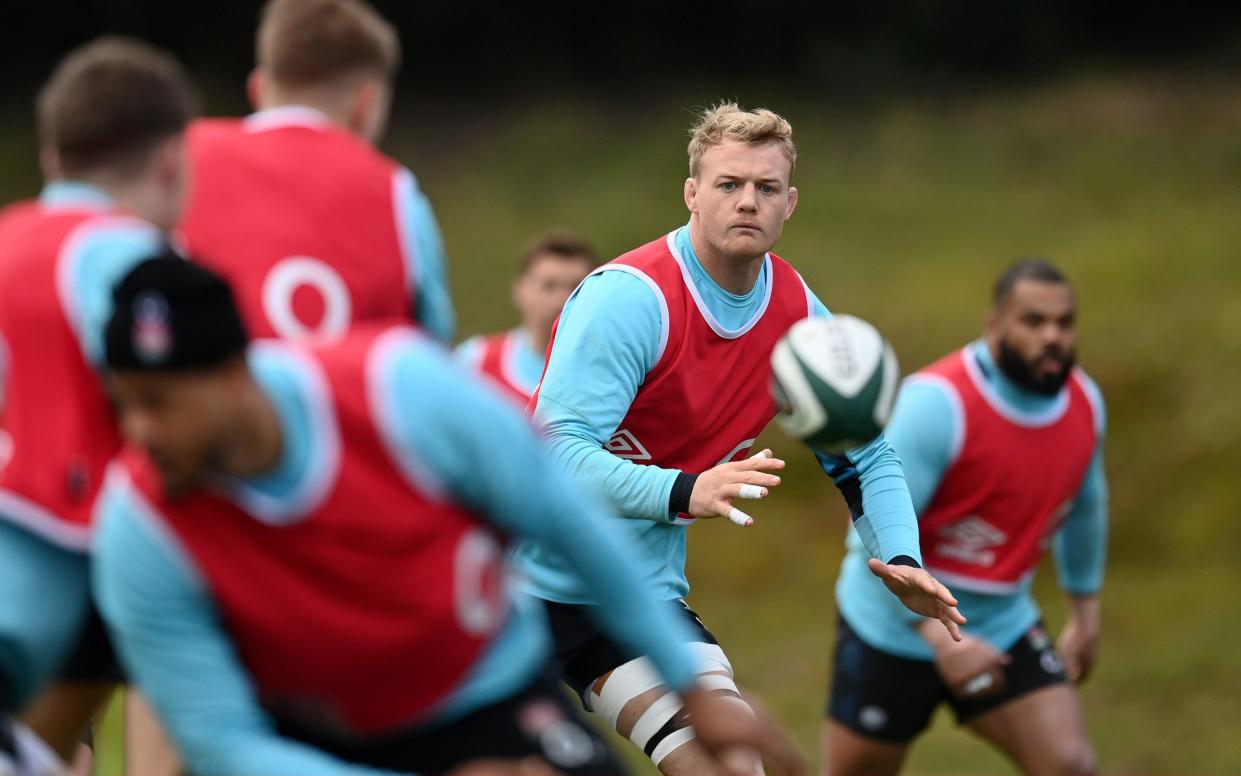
{"points": [[627, 682], [666, 747], [654, 718], [751, 491], [710, 659]]}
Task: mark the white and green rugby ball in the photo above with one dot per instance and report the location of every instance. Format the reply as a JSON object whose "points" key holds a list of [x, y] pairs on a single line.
{"points": [[834, 381]]}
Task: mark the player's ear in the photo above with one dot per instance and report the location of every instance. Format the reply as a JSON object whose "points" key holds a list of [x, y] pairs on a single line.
{"points": [[792, 205], [49, 163], [368, 112], [256, 85], [170, 160], [691, 194], [991, 326]]}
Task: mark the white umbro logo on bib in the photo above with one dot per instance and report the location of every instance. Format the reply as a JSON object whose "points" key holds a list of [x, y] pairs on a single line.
{"points": [[624, 444]]}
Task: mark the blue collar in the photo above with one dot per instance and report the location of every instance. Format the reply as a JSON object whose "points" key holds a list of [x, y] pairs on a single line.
{"points": [[700, 275], [69, 194]]}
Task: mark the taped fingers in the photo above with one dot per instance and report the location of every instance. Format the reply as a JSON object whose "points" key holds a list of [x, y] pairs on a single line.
{"points": [[751, 492], [740, 518]]}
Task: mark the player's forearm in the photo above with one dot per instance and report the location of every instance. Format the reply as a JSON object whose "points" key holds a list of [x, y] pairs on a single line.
{"points": [[887, 524], [1080, 546], [640, 492], [1086, 612]]}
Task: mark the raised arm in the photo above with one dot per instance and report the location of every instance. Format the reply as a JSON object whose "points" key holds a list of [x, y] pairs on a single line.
{"points": [[873, 484]]}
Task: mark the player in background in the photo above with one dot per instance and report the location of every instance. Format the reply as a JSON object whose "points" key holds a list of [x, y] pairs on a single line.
{"points": [[268, 601], [551, 268], [314, 226], [1002, 444], [656, 388], [110, 120]]}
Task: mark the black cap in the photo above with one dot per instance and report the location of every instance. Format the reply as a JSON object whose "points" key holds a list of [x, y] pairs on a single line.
{"points": [[169, 313]]}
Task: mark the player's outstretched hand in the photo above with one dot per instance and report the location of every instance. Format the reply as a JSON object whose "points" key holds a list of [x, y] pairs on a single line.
{"points": [[715, 489], [531, 766], [921, 593], [723, 725]]}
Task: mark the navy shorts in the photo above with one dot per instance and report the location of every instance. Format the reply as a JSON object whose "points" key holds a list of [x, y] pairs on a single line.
{"points": [[583, 653], [891, 698]]}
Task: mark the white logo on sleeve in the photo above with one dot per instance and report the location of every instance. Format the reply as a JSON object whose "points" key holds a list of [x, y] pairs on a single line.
{"points": [[624, 444]]}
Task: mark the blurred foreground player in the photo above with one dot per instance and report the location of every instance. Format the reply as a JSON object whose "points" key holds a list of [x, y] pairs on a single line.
{"points": [[110, 121], [1002, 444], [313, 227], [301, 556], [553, 266], [655, 390]]}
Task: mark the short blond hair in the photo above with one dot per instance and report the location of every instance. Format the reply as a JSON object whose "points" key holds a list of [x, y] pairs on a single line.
{"points": [[728, 121], [316, 42]]}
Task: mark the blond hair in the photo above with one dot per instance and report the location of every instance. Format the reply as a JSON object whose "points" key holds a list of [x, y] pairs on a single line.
{"points": [[316, 42], [727, 121]]}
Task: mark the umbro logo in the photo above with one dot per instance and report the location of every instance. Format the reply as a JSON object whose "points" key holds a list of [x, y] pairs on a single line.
{"points": [[970, 541], [624, 444]]}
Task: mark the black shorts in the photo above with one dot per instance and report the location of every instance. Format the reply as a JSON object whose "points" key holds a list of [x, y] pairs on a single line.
{"points": [[539, 721], [583, 653], [880, 695], [92, 658]]}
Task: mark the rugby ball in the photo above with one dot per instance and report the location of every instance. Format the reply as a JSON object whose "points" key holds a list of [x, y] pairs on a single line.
{"points": [[834, 381]]}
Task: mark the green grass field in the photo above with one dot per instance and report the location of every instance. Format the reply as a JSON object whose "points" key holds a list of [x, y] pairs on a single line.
{"points": [[908, 209]]}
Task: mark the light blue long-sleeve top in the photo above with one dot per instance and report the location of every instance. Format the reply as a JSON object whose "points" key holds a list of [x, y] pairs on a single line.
{"points": [[607, 341], [168, 631], [44, 573], [925, 429]]}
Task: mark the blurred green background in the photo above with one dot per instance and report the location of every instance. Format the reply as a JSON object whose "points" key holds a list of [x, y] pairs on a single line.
{"points": [[911, 201]]}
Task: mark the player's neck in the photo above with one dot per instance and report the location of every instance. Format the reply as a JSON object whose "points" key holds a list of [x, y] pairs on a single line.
{"points": [[257, 442], [735, 274], [332, 105], [136, 196], [536, 337]]}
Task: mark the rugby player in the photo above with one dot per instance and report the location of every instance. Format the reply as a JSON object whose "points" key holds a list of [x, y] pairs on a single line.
{"points": [[551, 268], [111, 120], [655, 389], [301, 555], [310, 223], [314, 227], [1002, 444]]}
